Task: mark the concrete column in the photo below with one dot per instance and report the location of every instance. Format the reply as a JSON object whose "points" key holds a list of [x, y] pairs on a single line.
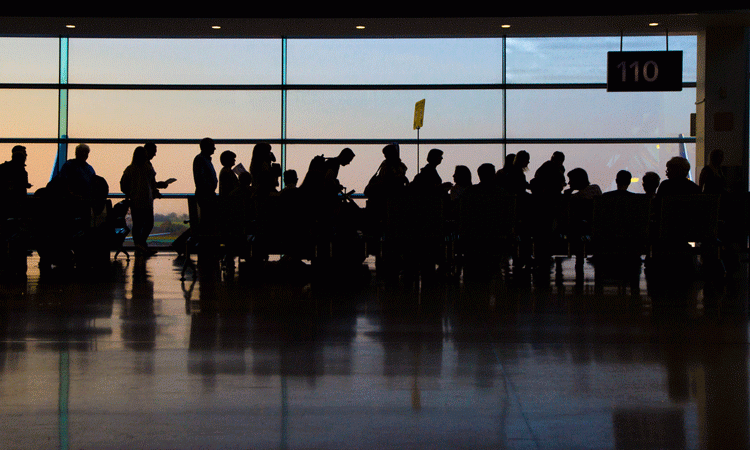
{"points": [[722, 101]]}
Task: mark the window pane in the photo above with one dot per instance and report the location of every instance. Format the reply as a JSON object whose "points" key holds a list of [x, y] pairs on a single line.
{"points": [[170, 216], [390, 114], [394, 61], [28, 113], [175, 61], [602, 162], [29, 60], [174, 114], [584, 59], [596, 113]]}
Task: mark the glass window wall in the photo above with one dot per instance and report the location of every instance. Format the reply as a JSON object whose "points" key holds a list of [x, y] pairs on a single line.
{"points": [[316, 96]]}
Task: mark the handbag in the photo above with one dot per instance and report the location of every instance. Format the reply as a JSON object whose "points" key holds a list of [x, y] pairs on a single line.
{"points": [[375, 186]]}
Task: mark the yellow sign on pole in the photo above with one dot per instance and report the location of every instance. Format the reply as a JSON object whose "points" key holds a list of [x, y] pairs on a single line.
{"points": [[418, 114]]}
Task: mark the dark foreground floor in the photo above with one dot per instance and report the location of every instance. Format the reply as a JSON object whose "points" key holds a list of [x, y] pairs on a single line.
{"points": [[135, 358]]}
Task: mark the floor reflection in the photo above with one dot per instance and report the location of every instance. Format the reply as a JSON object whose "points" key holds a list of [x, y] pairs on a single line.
{"points": [[137, 357]]}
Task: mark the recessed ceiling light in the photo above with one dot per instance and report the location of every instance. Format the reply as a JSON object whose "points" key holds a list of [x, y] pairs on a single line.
{"points": [[505, 26], [216, 27], [360, 27], [70, 26], [654, 24]]}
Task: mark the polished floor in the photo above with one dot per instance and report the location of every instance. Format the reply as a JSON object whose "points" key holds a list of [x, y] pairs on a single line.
{"points": [[134, 357]]}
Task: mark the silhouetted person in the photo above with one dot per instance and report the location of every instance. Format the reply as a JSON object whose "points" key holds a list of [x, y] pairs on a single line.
{"points": [[428, 179], [151, 153], [650, 183], [77, 181], [580, 186], [291, 200], [290, 180], [425, 211], [228, 180], [206, 182], [262, 170], [711, 179], [545, 205], [480, 224], [333, 165], [387, 186], [390, 178], [622, 181], [242, 211], [486, 185], [672, 263], [501, 173], [77, 174], [677, 182], [245, 186], [515, 178], [461, 182], [581, 193], [138, 183], [14, 181], [549, 178], [514, 183]]}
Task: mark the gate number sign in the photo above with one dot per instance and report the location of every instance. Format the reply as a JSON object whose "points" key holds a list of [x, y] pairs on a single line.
{"points": [[644, 71]]}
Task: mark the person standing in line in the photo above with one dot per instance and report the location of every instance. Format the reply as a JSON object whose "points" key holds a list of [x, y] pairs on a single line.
{"points": [[15, 182], [138, 183], [151, 153], [333, 165], [77, 180], [228, 180], [262, 169], [428, 180], [77, 173], [206, 182]]}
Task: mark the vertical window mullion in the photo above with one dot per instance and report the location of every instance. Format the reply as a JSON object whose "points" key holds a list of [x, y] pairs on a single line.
{"points": [[283, 106], [62, 120]]}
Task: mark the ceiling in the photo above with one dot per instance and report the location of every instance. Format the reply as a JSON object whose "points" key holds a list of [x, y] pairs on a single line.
{"points": [[523, 22]]}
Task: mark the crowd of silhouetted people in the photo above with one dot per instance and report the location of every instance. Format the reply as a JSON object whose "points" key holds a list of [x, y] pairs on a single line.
{"points": [[423, 225]]}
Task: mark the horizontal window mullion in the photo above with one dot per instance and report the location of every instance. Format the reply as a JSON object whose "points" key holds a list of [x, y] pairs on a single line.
{"points": [[311, 87], [354, 141]]}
